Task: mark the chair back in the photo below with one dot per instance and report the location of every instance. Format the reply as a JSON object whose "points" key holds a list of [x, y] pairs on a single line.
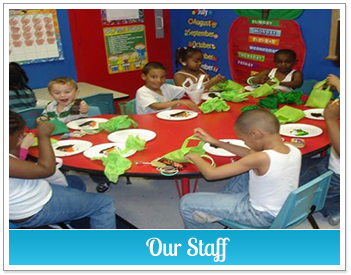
{"points": [[307, 86], [103, 100], [30, 116], [299, 203], [94, 111], [128, 107]]}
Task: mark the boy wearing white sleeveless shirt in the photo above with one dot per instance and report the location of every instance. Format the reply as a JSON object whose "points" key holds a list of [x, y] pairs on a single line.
{"points": [[265, 175]]}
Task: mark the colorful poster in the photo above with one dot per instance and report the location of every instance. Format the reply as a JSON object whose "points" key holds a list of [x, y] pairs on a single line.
{"points": [[125, 48], [120, 16], [34, 36]]}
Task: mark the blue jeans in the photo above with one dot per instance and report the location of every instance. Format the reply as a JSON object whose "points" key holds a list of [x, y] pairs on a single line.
{"points": [[201, 210], [314, 167], [67, 204]]}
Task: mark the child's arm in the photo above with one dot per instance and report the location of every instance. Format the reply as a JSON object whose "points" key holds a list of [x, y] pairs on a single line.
{"points": [[331, 116], [173, 103], [27, 141], [259, 78], [179, 79], [235, 149], [259, 162], [45, 166], [296, 82]]}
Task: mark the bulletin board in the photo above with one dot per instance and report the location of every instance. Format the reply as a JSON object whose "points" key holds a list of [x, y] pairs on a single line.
{"points": [[125, 48], [34, 36]]}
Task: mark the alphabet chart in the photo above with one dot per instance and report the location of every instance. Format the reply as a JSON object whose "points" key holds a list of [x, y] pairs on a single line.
{"points": [[34, 36]]}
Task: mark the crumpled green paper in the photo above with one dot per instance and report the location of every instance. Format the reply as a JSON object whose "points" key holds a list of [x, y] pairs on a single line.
{"points": [[270, 102], [265, 89], [292, 97], [178, 155], [214, 104], [115, 165], [249, 107], [60, 127], [228, 85], [134, 143], [234, 96], [117, 123], [289, 114]]}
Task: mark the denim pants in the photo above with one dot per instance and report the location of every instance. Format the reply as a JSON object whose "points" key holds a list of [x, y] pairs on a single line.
{"points": [[72, 203], [201, 210], [314, 167]]}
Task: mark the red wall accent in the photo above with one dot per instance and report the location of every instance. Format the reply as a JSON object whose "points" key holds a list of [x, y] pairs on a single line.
{"points": [[90, 55]]}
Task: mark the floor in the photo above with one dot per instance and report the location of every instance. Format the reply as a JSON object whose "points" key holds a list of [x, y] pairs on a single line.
{"points": [[153, 204]]}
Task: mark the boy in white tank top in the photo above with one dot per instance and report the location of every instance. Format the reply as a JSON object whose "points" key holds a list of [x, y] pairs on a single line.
{"points": [[253, 198]]}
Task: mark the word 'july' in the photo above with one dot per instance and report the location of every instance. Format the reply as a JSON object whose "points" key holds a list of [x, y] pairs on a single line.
{"points": [[196, 248]]}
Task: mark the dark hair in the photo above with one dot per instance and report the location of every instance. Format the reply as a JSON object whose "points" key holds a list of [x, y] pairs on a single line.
{"points": [[18, 78], [257, 118], [16, 122], [153, 65], [183, 53], [287, 52]]}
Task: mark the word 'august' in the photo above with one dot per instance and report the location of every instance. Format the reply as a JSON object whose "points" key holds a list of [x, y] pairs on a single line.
{"points": [[196, 248]]}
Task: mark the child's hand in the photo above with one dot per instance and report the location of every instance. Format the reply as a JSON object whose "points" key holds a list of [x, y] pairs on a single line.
{"points": [[188, 103], [203, 135], [27, 140], [83, 107], [44, 129], [332, 111], [333, 81], [261, 79], [218, 78], [42, 118]]}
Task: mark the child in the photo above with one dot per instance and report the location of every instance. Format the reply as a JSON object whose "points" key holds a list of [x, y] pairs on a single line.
{"points": [[289, 79], [33, 202], [21, 96], [155, 95], [254, 198], [190, 60], [314, 167], [64, 91]]}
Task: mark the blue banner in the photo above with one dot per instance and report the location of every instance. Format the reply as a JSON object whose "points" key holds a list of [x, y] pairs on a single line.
{"points": [[175, 247]]}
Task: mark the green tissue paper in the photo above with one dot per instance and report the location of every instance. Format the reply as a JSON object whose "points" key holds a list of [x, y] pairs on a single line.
{"points": [[214, 104], [117, 123]]}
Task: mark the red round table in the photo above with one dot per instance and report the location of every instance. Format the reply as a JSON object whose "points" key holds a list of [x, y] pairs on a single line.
{"points": [[171, 135]]}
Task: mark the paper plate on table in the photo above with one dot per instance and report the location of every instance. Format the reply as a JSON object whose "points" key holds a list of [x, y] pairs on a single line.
{"points": [[221, 152], [83, 124], [314, 114], [300, 130], [207, 96], [122, 136], [98, 150], [65, 148], [176, 115]]}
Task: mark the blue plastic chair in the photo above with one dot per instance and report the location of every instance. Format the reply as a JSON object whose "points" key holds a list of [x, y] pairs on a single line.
{"points": [[94, 111], [169, 81], [307, 86], [299, 206], [30, 116], [104, 101], [131, 105], [13, 226]]}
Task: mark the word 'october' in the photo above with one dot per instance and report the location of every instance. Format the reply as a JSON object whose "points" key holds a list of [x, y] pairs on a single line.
{"points": [[210, 249]]}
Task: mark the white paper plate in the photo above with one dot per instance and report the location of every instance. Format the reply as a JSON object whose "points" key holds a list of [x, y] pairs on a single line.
{"points": [[75, 124], [205, 96], [80, 146], [95, 150], [288, 130], [122, 136], [309, 112], [221, 152], [166, 115]]}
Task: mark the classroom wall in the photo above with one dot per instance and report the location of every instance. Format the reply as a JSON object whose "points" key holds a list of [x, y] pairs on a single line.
{"points": [[314, 25], [89, 48], [40, 74]]}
